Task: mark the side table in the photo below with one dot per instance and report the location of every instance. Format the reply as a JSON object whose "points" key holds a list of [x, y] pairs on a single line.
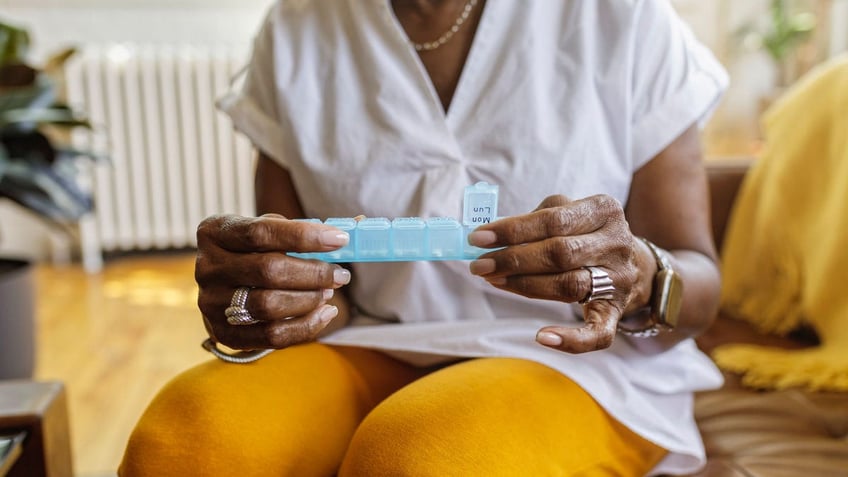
{"points": [[34, 423]]}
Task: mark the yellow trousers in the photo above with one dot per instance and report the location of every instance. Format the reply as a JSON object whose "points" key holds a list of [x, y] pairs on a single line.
{"points": [[318, 410]]}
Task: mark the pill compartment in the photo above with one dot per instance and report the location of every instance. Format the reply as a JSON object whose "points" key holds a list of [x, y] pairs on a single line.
{"points": [[373, 238], [480, 204], [381, 239], [348, 225], [409, 237], [446, 237]]}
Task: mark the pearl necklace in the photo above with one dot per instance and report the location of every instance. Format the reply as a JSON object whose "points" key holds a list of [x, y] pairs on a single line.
{"points": [[432, 45]]}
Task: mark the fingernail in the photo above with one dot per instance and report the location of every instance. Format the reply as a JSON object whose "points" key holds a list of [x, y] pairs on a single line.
{"points": [[483, 266], [341, 276], [334, 238], [328, 293], [482, 238], [499, 281], [548, 339], [328, 313]]}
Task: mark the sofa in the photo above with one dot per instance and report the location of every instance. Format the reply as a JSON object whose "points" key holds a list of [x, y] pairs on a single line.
{"points": [[751, 433]]}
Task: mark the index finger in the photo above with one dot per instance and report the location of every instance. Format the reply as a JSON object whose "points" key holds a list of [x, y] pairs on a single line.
{"points": [[574, 218], [269, 233]]}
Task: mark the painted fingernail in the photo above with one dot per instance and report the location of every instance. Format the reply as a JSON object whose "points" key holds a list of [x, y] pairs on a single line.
{"points": [[328, 313], [482, 238], [341, 276], [328, 293], [334, 238], [483, 266], [548, 339]]}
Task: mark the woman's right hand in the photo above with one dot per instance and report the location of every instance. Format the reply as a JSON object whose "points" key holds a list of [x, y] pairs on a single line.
{"points": [[288, 296]]}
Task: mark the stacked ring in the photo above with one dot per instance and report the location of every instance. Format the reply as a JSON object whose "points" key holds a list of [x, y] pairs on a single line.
{"points": [[236, 313], [602, 287]]}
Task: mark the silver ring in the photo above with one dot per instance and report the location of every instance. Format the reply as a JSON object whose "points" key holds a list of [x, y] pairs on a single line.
{"points": [[236, 313], [602, 287]]}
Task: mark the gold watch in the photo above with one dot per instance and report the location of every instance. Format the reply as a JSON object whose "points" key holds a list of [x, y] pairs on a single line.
{"points": [[666, 297]]}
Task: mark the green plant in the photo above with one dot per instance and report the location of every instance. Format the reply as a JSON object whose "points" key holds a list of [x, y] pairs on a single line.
{"points": [[38, 169], [786, 29]]}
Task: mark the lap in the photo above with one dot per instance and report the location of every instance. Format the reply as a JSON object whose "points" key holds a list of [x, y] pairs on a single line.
{"points": [[307, 409]]}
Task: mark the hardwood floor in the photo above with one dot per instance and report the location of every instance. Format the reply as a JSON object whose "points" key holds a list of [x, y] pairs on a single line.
{"points": [[115, 338]]}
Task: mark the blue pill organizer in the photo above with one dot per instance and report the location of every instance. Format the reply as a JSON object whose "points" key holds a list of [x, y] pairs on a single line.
{"points": [[379, 239]]}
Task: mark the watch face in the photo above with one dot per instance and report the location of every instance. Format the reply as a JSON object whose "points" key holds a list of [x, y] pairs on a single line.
{"points": [[669, 297]]}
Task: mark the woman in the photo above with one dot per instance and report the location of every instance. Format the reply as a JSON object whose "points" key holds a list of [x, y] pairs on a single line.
{"points": [[586, 114]]}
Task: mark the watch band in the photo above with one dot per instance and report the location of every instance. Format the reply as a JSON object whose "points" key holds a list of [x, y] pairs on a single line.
{"points": [[656, 325], [660, 255]]}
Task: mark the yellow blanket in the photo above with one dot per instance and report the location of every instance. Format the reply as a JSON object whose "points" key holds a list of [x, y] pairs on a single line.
{"points": [[785, 258]]}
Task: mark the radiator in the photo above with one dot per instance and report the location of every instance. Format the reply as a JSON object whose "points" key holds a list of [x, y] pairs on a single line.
{"points": [[174, 158]]}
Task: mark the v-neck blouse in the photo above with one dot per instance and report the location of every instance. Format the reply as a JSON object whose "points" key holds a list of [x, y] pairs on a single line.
{"points": [[556, 97]]}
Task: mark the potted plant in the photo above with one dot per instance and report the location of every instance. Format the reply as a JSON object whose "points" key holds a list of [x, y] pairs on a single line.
{"points": [[39, 172], [785, 29]]}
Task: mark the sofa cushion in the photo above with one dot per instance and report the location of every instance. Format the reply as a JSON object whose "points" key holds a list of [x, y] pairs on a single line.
{"points": [[773, 433]]}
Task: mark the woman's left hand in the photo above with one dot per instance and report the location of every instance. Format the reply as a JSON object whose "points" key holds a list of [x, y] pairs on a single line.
{"points": [[544, 256]]}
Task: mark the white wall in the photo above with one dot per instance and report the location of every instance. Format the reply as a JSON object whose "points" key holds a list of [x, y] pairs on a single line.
{"points": [[839, 27], [57, 23]]}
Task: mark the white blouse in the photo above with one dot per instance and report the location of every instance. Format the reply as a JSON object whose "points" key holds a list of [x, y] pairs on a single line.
{"points": [[556, 97]]}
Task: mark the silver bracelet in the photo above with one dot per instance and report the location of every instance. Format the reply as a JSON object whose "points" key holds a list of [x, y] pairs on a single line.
{"points": [[241, 357], [647, 332]]}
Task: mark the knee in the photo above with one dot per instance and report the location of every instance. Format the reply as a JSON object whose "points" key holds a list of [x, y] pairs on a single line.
{"points": [[183, 426], [411, 434], [386, 445], [220, 419]]}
